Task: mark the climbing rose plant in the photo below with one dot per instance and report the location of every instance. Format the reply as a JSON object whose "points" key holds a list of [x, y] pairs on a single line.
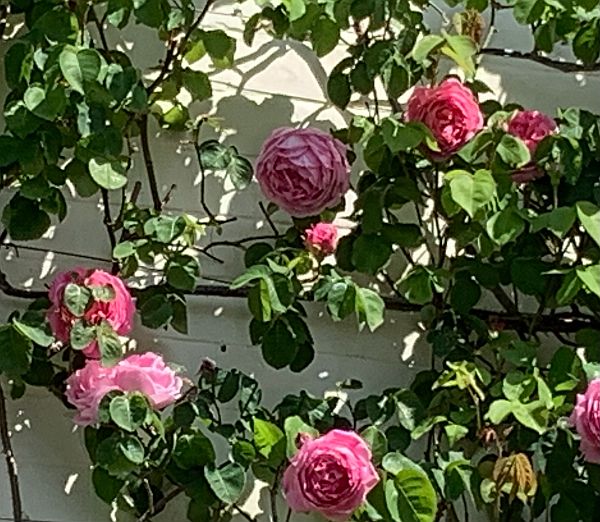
{"points": [[482, 219]]}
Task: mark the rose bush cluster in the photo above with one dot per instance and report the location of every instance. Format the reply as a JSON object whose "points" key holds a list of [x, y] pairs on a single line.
{"points": [[109, 301]]}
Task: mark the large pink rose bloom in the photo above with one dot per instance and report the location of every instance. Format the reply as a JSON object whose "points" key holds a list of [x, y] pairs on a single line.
{"points": [[118, 312], [148, 373], [86, 388], [450, 111], [586, 419], [304, 171], [531, 127], [321, 238], [331, 474]]}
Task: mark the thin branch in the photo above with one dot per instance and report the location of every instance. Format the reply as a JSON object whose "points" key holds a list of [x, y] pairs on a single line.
{"points": [[243, 513], [543, 60], [147, 154], [268, 218], [11, 464], [108, 222], [161, 504]]}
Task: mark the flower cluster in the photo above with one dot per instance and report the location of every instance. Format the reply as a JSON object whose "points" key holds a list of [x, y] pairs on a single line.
{"points": [[146, 373], [105, 298]]}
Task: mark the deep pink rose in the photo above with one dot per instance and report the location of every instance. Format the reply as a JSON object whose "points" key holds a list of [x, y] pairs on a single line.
{"points": [[118, 311], [86, 388], [586, 419], [321, 238], [450, 111], [304, 171], [331, 474], [148, 373], [531, 127]]}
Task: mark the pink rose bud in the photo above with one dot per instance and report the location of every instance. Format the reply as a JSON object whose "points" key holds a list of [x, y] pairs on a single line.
{"points": [[146, 373], [331, 475], [531, 127], [117, 312], [304, 171], [450, 111], [321, 238], [586, 420]]}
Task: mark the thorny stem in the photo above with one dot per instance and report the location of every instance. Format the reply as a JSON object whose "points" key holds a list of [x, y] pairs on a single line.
{"points": [[543, 60], [11, 464], [268, 218]]}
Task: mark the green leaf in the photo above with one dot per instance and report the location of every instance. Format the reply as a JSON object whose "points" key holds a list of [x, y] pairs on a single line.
{"points": [[220, 47], [15, 352], [590, 276], [267, 436], [324, 36], [10, 149], [472, 192], [80, 66], [338, 89], [24, 219], [415, 499], [47, 105], [416, 286], [81, 335], [240, 171], [559, 221], [401, 137], [214, 155], [513, 151], [226, 482], [149, 12], [505, 226], [569, 288], [586, 44], [128, 411], [132, 449], [182, 272], [193, 450], [124, 249], [425, 46], [197, 83], [111, 349], [528, 11], [294, 426], [589, 216], [377, 441], [370, 252], [279, 346], [58, 25], [369, 308], [36, 333], [108, 174], [461, 49], [295, 8], [77, 298], [106, 486]]}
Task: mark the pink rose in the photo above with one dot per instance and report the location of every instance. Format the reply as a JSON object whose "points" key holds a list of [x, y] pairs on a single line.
{"points": [[304, 171], [531, 127], [450, 111], [586, 420], [148, 373], [86, 388], [321, 238], [331, 474], [117, 312]]}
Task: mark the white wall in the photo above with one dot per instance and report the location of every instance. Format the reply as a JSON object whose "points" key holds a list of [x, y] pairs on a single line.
{"points": [[273, 84]]}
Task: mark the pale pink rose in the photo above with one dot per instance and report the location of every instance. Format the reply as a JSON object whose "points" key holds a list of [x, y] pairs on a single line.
{"points": [[118, 312], [331, 474], [586, 420], [531, 127], [304, 171], [450, 111], [321, 238], [148, 373], [86, 388]]}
